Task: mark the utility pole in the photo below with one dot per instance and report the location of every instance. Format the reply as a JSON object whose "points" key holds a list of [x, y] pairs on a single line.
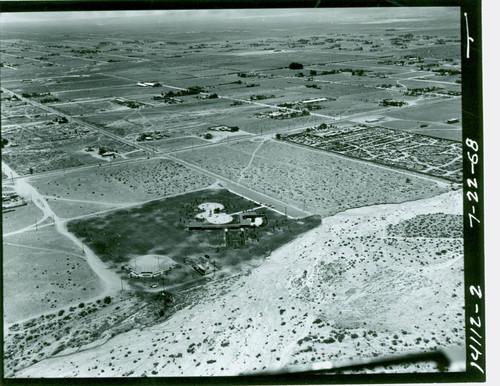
{"points": [[36, 226]]}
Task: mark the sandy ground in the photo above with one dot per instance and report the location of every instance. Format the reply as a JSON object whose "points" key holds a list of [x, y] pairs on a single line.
{"points": [[210, 216], [310, 301], [110, 280]]}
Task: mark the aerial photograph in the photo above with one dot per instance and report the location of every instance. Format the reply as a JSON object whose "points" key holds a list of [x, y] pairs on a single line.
{"points": [[231, 192]]}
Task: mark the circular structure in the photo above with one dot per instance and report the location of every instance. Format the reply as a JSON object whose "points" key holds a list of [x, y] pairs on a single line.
{"points": [[150, 265], [210, 215]]}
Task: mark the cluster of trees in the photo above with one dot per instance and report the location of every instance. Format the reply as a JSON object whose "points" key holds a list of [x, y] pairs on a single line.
{"points": [[142, 137], [245, 75], [50, 100], [447, 71], [34, 94], [61, 120], [420, 91], [340, 70], [452, 92], [291, 114], [295, 66], [85, 51], [12, 98], [293, 105], [392, 102], [194, 90], [129, 104], [3, 142], [260, 97], [287, 105], [103, 150]]}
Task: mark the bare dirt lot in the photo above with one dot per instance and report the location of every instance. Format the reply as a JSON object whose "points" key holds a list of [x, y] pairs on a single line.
{"points": [[322, 183], [124, 183], [42, 271]]}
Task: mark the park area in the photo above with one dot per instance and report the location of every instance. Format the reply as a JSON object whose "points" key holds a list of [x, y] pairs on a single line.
{"points": [[161, 228]]}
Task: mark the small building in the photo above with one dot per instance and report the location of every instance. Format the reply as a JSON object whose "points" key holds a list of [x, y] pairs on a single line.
{"points": [[373, 120], [453, 120], [200, 269], [315, 100], [12, 200]]}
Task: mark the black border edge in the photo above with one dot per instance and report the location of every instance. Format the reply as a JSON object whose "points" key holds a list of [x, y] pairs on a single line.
{"points": [[473, 188], [116, 5]]}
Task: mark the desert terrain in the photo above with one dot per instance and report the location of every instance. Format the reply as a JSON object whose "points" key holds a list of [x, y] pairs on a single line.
{"points": [[255, 194]]}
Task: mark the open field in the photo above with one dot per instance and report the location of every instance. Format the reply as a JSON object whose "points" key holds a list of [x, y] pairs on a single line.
{"points": [[301, 176], [439, 130], [161, 228], [69, 208], [20, 217], [448, 109], [132, 182], [43, 271], [438, 225]]}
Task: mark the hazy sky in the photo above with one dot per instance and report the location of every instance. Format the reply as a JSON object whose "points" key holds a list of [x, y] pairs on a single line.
{"points": [[363, 15]]}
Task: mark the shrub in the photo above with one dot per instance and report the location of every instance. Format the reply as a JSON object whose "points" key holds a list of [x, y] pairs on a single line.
{"points": [[295, 66]]}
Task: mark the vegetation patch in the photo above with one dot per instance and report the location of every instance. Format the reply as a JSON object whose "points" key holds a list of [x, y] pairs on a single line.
{"points": [[436, 225]]}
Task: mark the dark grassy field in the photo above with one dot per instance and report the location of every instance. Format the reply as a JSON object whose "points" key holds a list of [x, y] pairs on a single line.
{"points": [[160, 227]]}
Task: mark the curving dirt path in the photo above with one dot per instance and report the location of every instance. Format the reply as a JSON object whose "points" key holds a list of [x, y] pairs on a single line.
{"points": [[110, 280]]}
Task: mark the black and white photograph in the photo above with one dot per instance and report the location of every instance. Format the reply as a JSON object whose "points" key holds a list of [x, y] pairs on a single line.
{"points": [[257, 194]]}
